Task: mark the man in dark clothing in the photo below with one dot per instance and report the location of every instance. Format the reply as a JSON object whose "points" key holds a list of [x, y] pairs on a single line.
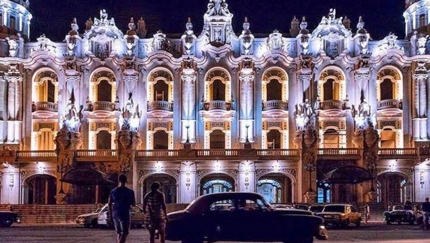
{"points": [[408, 204], [154, 207], [120, 200], [426, 212]]}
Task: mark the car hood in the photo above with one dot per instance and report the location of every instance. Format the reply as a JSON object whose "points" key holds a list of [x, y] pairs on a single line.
{"points": [[88, 214], [329, 213]]}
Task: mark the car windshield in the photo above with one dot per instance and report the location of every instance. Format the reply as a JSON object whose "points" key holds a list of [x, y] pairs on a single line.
{"points": [[334, 208], [316, 208]]}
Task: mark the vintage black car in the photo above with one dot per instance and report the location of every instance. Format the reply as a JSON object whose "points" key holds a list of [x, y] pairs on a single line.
{"points": [[242, 216], [7, 218], [397, 214]]}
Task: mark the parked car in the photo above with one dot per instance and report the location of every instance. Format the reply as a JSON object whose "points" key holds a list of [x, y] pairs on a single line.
{"points": [[89, 219], [340, 215], [397, 214], [7, 218], [317, 208], [244, 216], [136, 213]]}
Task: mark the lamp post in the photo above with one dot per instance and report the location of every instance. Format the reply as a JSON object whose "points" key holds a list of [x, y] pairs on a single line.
{"points": [[309, 168]]}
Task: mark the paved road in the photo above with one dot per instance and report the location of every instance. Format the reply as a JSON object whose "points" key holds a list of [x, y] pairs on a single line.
{"points": [[375, 232]]}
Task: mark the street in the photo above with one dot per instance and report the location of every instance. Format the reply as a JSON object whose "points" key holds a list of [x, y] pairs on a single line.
{"points": [[69, 233]]}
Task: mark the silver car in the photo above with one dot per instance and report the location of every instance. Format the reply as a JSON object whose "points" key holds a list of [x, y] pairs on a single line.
{"points": [[136, 214], [89, 219]]}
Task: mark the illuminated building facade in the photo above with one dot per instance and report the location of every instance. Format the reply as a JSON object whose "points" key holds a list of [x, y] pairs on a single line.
{"points": [[324, 115]]}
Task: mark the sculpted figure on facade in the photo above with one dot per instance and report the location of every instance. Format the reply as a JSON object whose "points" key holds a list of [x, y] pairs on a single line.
{"points": [[294, 27], [141, 28], [88, 24], [188, 39], [160, 42], [13, 46], [275, 41]]}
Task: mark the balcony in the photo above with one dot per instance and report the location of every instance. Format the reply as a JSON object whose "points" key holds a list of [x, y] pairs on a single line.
{"points": [[389, 104], [332, 105], [339, 153], [275, 105], [160, 106], [217, 105], [398, 153], [44, 106], [100, 106]]}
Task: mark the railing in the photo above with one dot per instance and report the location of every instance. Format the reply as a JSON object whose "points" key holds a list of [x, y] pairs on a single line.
{"points": [[157, 153], [217, 152], [44, 106], [278, 152], [275, 104], [217, 105], [339, 151], [386, 104], [332, 104], [160, 105], [101, 106], [34, 153], [398, 151], [97, 153]]}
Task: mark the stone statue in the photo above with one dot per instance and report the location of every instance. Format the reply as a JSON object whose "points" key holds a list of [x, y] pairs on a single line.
{"points": [[141, 28]]}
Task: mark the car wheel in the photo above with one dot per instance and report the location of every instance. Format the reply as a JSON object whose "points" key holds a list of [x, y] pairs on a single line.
{"points": [[399, 222], [6, 223], [412, 222], [345, 225], [388, 221], [358, 223], [94, 223]]}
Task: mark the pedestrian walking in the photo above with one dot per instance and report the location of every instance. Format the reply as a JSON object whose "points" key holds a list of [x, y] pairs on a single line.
{"points": [[120, 201], [154, 207], [366, 213], [426, 213]]}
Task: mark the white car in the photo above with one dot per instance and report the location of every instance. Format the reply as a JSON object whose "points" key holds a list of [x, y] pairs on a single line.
{"points": [[136, 213], [89, 219]]}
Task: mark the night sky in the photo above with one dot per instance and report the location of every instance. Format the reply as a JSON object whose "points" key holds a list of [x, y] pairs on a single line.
{"points": [[53, 17]]}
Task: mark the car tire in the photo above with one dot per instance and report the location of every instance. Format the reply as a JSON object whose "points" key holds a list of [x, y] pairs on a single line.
{"points": [[388, 221], [358, 223], [94, 223], [6, 223]]}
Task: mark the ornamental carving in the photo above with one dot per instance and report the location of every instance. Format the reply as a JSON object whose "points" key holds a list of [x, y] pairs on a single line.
{"points": [[288, 171]]}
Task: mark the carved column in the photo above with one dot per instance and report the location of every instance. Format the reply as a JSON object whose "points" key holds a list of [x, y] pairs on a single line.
{"points": [[362, 77], [188, 77], [127, 144], [246, 78], [14, 103], [420, 102]]}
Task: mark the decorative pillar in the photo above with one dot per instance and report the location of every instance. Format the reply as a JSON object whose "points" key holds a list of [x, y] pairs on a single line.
{"points": [[188, 182], [188, 124], [420, 102], [246, 78]]}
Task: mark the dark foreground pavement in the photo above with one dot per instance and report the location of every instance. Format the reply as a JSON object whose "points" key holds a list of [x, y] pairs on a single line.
{"points": [[67, 233]]}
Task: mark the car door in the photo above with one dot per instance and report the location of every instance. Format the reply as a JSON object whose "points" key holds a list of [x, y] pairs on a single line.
{"points": [[254, 221], [219, 220], [355, 215]]}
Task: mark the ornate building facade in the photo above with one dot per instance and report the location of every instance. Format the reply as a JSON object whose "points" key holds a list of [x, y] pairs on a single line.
{"points": [[323, 115]]}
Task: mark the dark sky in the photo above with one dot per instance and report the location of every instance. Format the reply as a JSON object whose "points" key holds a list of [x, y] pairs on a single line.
{"points": [[53, 17]]}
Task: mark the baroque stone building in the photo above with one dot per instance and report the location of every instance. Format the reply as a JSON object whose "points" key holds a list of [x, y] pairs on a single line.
{"points": [[322, 115]]}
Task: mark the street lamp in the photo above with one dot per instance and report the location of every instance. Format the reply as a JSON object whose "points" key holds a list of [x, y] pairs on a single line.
{"points": [[310, 167]]}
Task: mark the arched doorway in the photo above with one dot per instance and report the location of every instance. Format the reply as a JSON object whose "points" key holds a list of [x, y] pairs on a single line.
{"points": [[392, 187], [40, 189], [168, 186], [216, 183], [275, 188]]}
